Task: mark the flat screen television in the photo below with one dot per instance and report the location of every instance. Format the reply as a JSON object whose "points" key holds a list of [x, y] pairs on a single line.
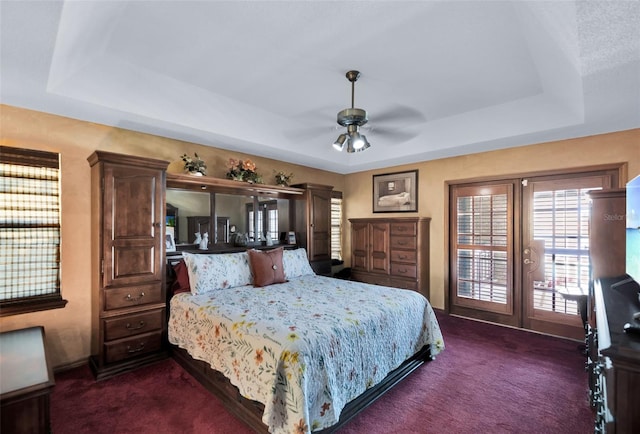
{"points": [[632, 265]]}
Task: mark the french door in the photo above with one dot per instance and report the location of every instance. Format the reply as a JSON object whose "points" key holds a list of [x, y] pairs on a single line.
{"points": [[517, 245]]}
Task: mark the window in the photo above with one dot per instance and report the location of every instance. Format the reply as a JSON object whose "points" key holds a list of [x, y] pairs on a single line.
{"points": [[29, 231], [267, 219], [336, 225]]}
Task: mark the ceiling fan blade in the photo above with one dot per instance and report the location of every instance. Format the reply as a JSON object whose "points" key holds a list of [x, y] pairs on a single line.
{"points": [[306, 133], [391, 136], [397, 114]]}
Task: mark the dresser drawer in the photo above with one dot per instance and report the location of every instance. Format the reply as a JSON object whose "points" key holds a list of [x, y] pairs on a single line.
{"points": [[401, 228], [128, 296], [408, 256], [404, 270], [375, 279], [404, 283], [134, 346], [398, 242], [129, 325]]}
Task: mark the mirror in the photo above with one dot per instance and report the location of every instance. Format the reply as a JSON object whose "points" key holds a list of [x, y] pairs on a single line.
{"points": [[192, 210]]}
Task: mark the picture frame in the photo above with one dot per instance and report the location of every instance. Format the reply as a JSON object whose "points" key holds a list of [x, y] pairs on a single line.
{"points": [[169, 241], [291, 239], [395, 192]]}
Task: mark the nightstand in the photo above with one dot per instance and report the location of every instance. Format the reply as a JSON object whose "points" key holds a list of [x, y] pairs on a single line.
{"points": [[26, 381]]}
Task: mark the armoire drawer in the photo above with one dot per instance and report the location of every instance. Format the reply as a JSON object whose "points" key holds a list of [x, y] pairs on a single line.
{"points": [[398, 242], [404, 270], [134, 324], [127, 296], [133, 346], [407, 256]]}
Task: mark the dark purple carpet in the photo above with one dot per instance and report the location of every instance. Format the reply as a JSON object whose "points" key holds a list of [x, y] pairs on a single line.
{"points": [[489, 379]]}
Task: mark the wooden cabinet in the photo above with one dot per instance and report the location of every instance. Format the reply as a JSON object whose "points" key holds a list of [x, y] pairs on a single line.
{"points": [[616, 392], [128, 294], [607, 233], [312, 217], [392, 252]]}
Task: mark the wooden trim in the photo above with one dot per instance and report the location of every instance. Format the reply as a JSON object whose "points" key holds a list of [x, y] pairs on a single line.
{"points": [[619, 168], [35, 304], [129, 160], [229, 186]]}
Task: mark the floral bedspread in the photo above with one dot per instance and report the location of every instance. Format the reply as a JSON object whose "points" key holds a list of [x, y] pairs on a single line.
{"points": [[307, 347]]}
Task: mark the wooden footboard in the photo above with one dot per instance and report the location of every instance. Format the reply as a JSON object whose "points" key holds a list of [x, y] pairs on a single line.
{"points": [[250, 412]]}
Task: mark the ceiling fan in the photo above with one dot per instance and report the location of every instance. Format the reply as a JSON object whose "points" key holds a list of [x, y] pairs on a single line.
{"points": [[393, 125], [352, 118]]}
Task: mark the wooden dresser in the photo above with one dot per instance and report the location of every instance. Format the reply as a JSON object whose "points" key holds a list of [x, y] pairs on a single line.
{"points": [[391, 252], [616, 390], [128, 294]]}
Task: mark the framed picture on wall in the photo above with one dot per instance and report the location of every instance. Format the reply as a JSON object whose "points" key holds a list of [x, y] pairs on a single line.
{"points": [[396, 192]]}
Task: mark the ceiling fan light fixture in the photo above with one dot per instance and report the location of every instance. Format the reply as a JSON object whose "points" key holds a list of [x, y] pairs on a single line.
{"points": [[356, 140], [365, 144], [338, 145]]}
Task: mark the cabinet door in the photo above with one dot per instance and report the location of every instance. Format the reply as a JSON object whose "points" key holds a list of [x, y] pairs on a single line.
{"points": [[132, 230], [320, 225], [379, 247], [360, 246]]}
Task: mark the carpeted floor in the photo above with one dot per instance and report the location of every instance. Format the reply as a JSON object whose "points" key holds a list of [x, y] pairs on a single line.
{"points": [[489, 379]]}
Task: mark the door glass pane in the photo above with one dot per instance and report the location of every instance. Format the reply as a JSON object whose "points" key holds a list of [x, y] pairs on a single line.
{"points": [[561, 220], [481, 250]]}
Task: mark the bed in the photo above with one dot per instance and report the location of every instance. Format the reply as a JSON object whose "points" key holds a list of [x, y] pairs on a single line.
{"points": [[298, 352], [399, 199]]}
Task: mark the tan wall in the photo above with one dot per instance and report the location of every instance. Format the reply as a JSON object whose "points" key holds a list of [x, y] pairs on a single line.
{"points": [[68, 329], [620, 147]]}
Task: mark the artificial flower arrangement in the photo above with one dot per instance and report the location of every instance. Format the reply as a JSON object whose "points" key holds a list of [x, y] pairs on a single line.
{"points": [[194, 165], [283, 178], [243, 170]]}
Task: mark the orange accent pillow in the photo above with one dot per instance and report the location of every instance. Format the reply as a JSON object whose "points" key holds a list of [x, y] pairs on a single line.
{"points": [[266, 266]]}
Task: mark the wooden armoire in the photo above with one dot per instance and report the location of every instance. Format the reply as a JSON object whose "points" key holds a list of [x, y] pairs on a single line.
{"points": [[312, 217], [127, 243]]}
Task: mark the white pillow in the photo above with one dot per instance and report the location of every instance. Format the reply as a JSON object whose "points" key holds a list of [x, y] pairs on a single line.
{"points": [[296, 263], [215, 272]]}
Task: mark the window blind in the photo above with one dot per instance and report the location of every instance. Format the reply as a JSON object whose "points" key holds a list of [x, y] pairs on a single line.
{"points": [[29, 224], [336, 226]]}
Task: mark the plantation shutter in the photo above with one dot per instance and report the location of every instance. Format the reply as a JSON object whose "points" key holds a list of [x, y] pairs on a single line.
{"points": [[482, 247], [336, 225]]}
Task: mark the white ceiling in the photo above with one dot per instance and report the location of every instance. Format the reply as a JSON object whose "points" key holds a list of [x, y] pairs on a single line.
{"points": [[267, 78]]}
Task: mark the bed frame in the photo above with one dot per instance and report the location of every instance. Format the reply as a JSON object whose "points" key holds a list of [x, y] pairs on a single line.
{"points": [[250, 412]]}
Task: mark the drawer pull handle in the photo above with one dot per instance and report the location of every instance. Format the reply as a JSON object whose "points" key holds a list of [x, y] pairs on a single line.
{"points": [[140, 325], [129, 298], [402, 270], [402, 243], [400, 229], [402, 256], [135, 350]]}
